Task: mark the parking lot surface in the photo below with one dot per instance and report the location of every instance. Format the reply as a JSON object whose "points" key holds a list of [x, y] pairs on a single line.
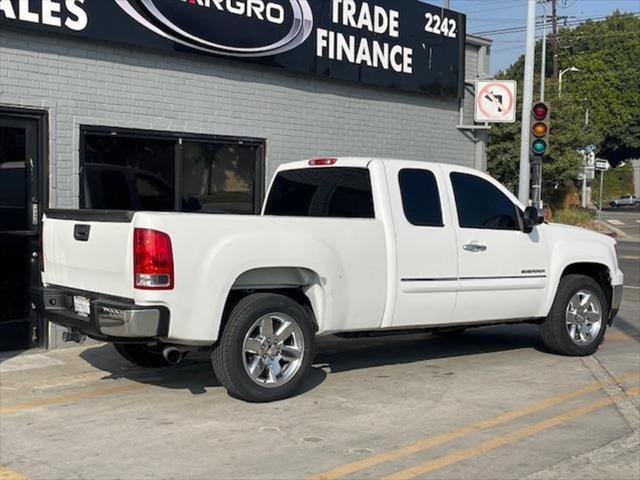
{"points": [[489, 404]]}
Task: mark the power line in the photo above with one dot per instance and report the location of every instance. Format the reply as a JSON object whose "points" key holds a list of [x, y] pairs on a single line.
{"points": [[506, 45], [502, 31], [570, 23]]}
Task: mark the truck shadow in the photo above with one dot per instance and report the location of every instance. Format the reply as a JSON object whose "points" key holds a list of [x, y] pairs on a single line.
{"points": [[342, 355], [194, 373], [333, 355]]}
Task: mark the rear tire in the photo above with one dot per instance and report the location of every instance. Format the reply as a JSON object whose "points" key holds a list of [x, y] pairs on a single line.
{"points": [[577, 321], [142, 355], [266, 349]]}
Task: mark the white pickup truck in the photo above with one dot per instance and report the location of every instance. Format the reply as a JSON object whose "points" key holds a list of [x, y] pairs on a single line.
{"points": [[344, 246]]}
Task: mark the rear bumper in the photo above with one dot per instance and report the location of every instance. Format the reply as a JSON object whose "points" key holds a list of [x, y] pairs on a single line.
{"points": [[110, 319]]}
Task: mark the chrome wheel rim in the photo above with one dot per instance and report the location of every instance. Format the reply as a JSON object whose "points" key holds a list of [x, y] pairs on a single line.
{"points": [[273, 350], [584, 317]]}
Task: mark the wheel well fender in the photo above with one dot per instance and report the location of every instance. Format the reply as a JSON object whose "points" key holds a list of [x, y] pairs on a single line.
{"points": [[302, 285], [599, 272]]}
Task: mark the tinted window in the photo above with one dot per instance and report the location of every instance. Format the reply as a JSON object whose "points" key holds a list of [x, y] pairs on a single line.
{"points": [[218, 178], [114, 188], [153, 194], [112, 163], [420, 197], [322, 192], [482, 205], [165, 172]]}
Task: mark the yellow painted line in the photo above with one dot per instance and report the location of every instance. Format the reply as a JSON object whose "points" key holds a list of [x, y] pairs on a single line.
{"points": [[94, 379], [8, 474], [502, 440], [630, 257], [71, 397], [431, 442]]}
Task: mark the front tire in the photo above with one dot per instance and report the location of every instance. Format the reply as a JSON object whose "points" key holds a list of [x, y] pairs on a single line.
{"points": [[266, 348], [577, 321]]}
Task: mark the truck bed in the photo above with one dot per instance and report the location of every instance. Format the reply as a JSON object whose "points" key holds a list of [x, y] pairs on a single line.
{"points": [[346, 258]]}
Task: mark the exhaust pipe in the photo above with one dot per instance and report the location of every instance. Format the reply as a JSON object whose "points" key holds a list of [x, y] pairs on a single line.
{"points": [[172, 355]]}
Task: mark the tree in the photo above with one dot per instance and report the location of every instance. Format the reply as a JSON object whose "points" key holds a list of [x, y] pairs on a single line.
{"points": [[608, 56], [622, 142]]}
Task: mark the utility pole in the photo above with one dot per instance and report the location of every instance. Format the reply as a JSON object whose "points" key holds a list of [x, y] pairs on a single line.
{"points": [[601, 189], [588, 162], [592, 157], [527, 100], [589, 158], [554, 29], [543, 57], [536, 166]]}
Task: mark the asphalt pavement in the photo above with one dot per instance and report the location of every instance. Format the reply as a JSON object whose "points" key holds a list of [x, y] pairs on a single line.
{"points": [[489, 404], [629, 257], [625, 219]]}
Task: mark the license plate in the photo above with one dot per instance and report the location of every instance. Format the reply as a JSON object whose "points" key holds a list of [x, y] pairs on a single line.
{"points": [[81, 306]]}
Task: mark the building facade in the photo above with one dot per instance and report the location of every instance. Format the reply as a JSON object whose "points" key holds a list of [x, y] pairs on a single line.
{"points": [[86, 123]]}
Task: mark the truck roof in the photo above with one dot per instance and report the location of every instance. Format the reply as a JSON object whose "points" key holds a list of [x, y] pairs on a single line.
{"points": [[363, 162]]}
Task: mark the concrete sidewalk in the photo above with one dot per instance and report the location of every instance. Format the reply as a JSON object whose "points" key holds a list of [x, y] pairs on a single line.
{"points": [[616, 460]]}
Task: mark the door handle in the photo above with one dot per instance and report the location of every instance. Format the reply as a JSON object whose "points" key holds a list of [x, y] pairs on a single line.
{"points": [[474, 247], [81, 232]]}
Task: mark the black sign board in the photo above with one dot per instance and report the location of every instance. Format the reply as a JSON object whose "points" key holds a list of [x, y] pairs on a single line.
{"points": [[404, 44]]}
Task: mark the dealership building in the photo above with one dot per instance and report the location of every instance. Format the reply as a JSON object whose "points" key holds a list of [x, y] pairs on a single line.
{"points": [[137, 105]]}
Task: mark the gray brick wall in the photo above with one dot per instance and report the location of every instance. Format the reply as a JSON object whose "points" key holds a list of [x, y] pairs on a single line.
{"points": [[93, 83]]}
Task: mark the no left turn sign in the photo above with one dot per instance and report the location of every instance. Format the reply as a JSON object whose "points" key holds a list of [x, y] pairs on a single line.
{"points": [[496, 101]]}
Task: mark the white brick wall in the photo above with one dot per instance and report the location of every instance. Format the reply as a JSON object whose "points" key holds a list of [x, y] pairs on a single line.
{"points": [[94, 83]]}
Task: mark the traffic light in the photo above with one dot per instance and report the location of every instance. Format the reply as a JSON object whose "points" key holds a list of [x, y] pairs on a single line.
{"points": [[540, 127]]}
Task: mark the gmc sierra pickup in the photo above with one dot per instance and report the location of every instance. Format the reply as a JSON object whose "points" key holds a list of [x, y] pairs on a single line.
{"points": [[343, 245]]}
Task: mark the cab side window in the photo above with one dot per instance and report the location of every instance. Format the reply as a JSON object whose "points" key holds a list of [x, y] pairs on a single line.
{"points": [[481, 205], [420, 197]]}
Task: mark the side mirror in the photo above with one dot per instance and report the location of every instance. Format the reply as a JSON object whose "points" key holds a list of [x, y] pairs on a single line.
{"points": [[532, 217]]}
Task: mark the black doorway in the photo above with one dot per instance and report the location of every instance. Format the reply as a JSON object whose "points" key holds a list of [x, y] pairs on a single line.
{"points": [[21, 152]]}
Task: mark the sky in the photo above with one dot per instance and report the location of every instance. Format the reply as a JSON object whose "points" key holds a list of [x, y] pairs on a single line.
{"points": [[491, 15]]}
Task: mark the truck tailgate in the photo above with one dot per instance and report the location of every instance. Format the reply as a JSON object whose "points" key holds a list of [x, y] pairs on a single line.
{"points": [[89, 251]]}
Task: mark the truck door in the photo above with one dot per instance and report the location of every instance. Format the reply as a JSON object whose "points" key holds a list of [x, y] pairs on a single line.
{"points": [[427, 263], [503, 271]]}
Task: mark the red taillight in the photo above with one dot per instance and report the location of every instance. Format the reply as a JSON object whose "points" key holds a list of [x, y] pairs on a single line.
{"points": [[322, 162], [152, 260]]}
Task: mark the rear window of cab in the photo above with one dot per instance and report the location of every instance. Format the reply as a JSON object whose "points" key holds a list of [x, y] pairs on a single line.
{"points": [[336, 192]]}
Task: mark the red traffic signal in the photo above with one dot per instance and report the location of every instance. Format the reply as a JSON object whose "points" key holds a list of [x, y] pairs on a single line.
{"points": [[540, 111]]}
